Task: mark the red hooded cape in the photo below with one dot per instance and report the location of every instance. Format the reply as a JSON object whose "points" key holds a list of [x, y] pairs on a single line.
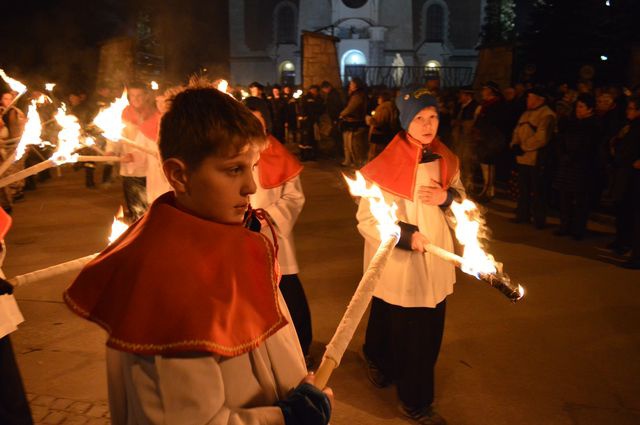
{"points": [[277, 165], [5, 223], [174, 282], [394, 170], [151, 126]]}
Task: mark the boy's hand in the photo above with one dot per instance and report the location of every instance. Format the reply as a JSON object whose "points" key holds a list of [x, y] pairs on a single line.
{"points": [[307, 405], [311, 379], [433, 194], [419, 241], [5, 287]]}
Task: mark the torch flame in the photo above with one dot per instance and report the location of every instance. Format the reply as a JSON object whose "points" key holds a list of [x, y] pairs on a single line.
{"points": [[118, 227], [384, 214], [49, 86], [469, 230], [297, 94], [68, 138], [154, 85], [32, 129], [42, 99], [223, 85], [110, 119], [14, 84], [244, 93]]}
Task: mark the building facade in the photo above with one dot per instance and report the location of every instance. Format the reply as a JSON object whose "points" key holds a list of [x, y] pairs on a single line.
{"points": [[265, 34]]}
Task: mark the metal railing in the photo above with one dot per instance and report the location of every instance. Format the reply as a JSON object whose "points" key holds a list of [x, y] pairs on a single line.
{"points": [[401, 76]]}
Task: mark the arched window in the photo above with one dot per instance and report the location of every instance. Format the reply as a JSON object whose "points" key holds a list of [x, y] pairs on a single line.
{"points": [[435, 23], [285, 25]]}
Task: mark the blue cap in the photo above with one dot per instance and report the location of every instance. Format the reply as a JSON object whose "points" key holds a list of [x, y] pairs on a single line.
{"points": [[410, 101]]}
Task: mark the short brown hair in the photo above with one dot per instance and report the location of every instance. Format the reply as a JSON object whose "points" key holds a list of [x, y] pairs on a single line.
{"points": [[202, 121]]}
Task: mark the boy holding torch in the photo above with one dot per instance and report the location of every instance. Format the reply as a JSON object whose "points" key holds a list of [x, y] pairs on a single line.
{"points": [[198, 331], [421, 175]]}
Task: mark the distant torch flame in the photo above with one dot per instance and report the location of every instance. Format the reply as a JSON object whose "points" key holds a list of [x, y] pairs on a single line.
{"points": [[244, 93], [223, 85], [32, 129], [110, 119], [297, 94], [14, 84], [154, 85], [118, 227], [384, 214], [42, 99], [49, 86]]}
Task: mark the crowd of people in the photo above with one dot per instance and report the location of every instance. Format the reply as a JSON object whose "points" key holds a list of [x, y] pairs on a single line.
{"points": [[189, 167]]}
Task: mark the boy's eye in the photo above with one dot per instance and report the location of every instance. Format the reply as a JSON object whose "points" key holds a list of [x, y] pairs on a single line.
{"points": [[235, 170]]}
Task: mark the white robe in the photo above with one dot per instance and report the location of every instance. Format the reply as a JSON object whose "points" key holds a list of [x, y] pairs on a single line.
{"points": [[284, 204], [10, 316], [198, 388], [411, 278]]}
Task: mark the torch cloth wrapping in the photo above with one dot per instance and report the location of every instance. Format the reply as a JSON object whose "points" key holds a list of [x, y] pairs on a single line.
{"points": [[70, 266], [360, 301]]}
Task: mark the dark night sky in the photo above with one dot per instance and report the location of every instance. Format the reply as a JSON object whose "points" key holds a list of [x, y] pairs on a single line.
{"points": [[59, 39]]}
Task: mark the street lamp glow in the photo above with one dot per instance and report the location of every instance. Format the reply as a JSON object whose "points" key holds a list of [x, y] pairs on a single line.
{"points": [[607, 3], [603, 58]]}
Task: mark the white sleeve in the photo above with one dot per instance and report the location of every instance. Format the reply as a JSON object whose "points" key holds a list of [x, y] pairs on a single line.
{"points": [[286, 209], [193, 392], [367, 224]]}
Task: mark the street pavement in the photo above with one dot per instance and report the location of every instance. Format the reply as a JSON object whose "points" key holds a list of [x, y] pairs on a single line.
{"points": [[567, 354]]}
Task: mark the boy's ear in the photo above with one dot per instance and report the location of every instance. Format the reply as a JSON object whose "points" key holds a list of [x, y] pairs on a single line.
{"points": [[176, 173]]}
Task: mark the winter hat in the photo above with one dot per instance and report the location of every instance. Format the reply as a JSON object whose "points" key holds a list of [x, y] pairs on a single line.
{"points": [[410, 101]]}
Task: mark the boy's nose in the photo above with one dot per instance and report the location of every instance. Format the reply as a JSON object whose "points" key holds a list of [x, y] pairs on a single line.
{"points": [[249, 187]]}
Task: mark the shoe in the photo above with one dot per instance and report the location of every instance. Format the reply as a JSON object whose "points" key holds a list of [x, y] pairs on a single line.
{"points": [[375, 375], [424, 416], [618, 248], [631, 264]]}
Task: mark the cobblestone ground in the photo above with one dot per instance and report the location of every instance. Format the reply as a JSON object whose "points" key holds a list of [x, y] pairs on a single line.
{"points": [[50, 410]]}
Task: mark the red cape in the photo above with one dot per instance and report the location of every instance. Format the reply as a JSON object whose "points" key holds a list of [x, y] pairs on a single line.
{"points": [[277, 165], [174, 282], [151, 126], [394, 170], [5, 223]]}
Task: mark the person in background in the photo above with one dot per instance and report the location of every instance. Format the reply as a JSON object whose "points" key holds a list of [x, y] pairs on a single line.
{"points": [[354, 127], [383, 124], [625, 150], [463, 134], [576, 156], [534, 131]]}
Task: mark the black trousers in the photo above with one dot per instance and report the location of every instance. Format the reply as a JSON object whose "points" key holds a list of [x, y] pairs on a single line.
{"points": [[135, 196], [531, 195], [14, 408], [404, 342], [294, 296], [574, 212]]}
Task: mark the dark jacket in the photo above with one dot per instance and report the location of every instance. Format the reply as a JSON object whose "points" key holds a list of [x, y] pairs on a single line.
{"points": [[576, 154], [626, 147]]}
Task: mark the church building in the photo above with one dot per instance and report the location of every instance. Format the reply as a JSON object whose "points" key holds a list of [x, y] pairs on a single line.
{"points": [[265, 35]]}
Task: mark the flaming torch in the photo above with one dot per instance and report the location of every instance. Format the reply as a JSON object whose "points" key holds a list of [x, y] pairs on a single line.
{"points": [[15, 85], [30, 136], [109, 120], [389, 234], [117, 228], [68, 141]]}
